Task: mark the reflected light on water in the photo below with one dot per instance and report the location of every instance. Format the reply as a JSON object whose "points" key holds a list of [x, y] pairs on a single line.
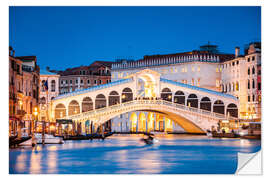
{"points": [[35, 160], [20, 166], [52, 162]]}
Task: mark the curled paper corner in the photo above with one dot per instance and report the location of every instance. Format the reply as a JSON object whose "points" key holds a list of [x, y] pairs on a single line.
{"points": [[249, 163]]}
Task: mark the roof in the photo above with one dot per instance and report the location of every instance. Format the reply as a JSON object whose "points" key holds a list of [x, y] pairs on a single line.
{"points": [[95, 88], [45, 72], [27, 58], [198, 88]]}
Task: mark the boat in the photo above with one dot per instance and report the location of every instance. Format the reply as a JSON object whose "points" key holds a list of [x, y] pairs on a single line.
{"points": [[49, 139], [224, 135], [149, 140]]}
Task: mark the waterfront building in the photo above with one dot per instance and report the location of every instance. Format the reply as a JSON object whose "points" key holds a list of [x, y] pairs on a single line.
{"points": [[82, 77], [235, 74], [49, 89], [23, 92]]}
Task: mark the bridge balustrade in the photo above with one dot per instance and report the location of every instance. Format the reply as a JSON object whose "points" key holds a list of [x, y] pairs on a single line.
{"points": [[115, 107]]}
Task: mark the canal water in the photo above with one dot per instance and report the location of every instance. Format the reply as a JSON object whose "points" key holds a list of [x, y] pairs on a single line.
{"points": [[126, 154]]}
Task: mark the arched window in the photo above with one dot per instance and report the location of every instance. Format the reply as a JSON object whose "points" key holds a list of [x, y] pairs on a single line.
{"points": [[52, 98], [73, 108], [100, 101], [127, 95], [205, 104], [60, 111], [179, 97], [43, 89], [237, 86], [43, 100], [232, 110], [253, 70], [253, 84], [248, 71], [248, 84], [192, 100], [218, 107], [166, 94], [87, 104], [53, 86], [114, 98]]}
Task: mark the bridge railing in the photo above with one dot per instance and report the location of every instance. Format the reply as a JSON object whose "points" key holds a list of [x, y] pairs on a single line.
{"points": [[142, 102]]}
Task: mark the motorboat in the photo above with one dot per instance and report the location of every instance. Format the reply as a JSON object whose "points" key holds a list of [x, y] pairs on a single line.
{"points": [[49, 139], [149, 140]]}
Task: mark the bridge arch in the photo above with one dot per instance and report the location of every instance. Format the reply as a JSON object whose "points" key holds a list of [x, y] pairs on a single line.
{"points": [[232, 110], [100, 101], [87, 104], [60, 111], [114, 98], [179, 97], [73, 107], [192, 100], [166, 94], [218, 107], [127, 95], [142, 122], [133, 122], [205, 104]]}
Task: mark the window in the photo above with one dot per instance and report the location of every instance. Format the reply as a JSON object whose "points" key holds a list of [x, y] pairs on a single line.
{"points": [[192, 82], [66, 81], [70, 81], [248, 60], [217, 83], [43, 86], [253, 70], [76, 81], [88, 81], [199, 80], [248, 84], [95, 82], [198, 68], [193, 69], [53, 86], [259, 72], [253, 58], [81, 81], [233, 63], [217, 70], [100, 82], [253, 97], [259, 86], [253, 84], [62, 82], [237, 62], [237, 86], [248, 98], [248, 71]]}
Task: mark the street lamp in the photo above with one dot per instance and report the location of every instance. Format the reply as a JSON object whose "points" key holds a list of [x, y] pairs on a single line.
{"points": [[33, 122]]}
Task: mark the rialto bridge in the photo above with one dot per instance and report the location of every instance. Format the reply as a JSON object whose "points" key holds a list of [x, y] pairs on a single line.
{"points": [[195, 109]]}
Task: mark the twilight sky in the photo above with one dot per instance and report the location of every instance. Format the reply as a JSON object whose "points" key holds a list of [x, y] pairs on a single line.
{"points": [[63, 37]]}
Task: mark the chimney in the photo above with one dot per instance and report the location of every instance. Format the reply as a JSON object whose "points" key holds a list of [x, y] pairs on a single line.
{"points": [[48, 68], [237, 51]]}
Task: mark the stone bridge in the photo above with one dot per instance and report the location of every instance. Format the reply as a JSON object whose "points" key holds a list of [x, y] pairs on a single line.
{"points": [[195, 109]]}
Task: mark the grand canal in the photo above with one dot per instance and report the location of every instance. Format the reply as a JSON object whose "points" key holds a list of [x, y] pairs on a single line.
{"points": [[172, 154]]}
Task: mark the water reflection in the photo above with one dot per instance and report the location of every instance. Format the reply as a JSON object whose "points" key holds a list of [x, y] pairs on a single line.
{"points": [[127, 154]]}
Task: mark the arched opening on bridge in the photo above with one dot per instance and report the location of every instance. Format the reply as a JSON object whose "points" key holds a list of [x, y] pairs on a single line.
{"points": [[100, 101], [192, 100], [114, 98], [60, 111], [159, 123], [232, 110], [205, 104], [218, 107], [166, 94], [73, 108], [87, 104], [146, 85], [150, 122], [179, 97], [127, 95], [142, 122], [133, 121], [168, 125]]}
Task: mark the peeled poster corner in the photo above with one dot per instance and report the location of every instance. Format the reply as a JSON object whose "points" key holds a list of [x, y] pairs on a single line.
{"points": [[249, 164]]}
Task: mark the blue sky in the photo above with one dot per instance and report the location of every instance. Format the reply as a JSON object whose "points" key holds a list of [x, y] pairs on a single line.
{"points": [[63, 37]]}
